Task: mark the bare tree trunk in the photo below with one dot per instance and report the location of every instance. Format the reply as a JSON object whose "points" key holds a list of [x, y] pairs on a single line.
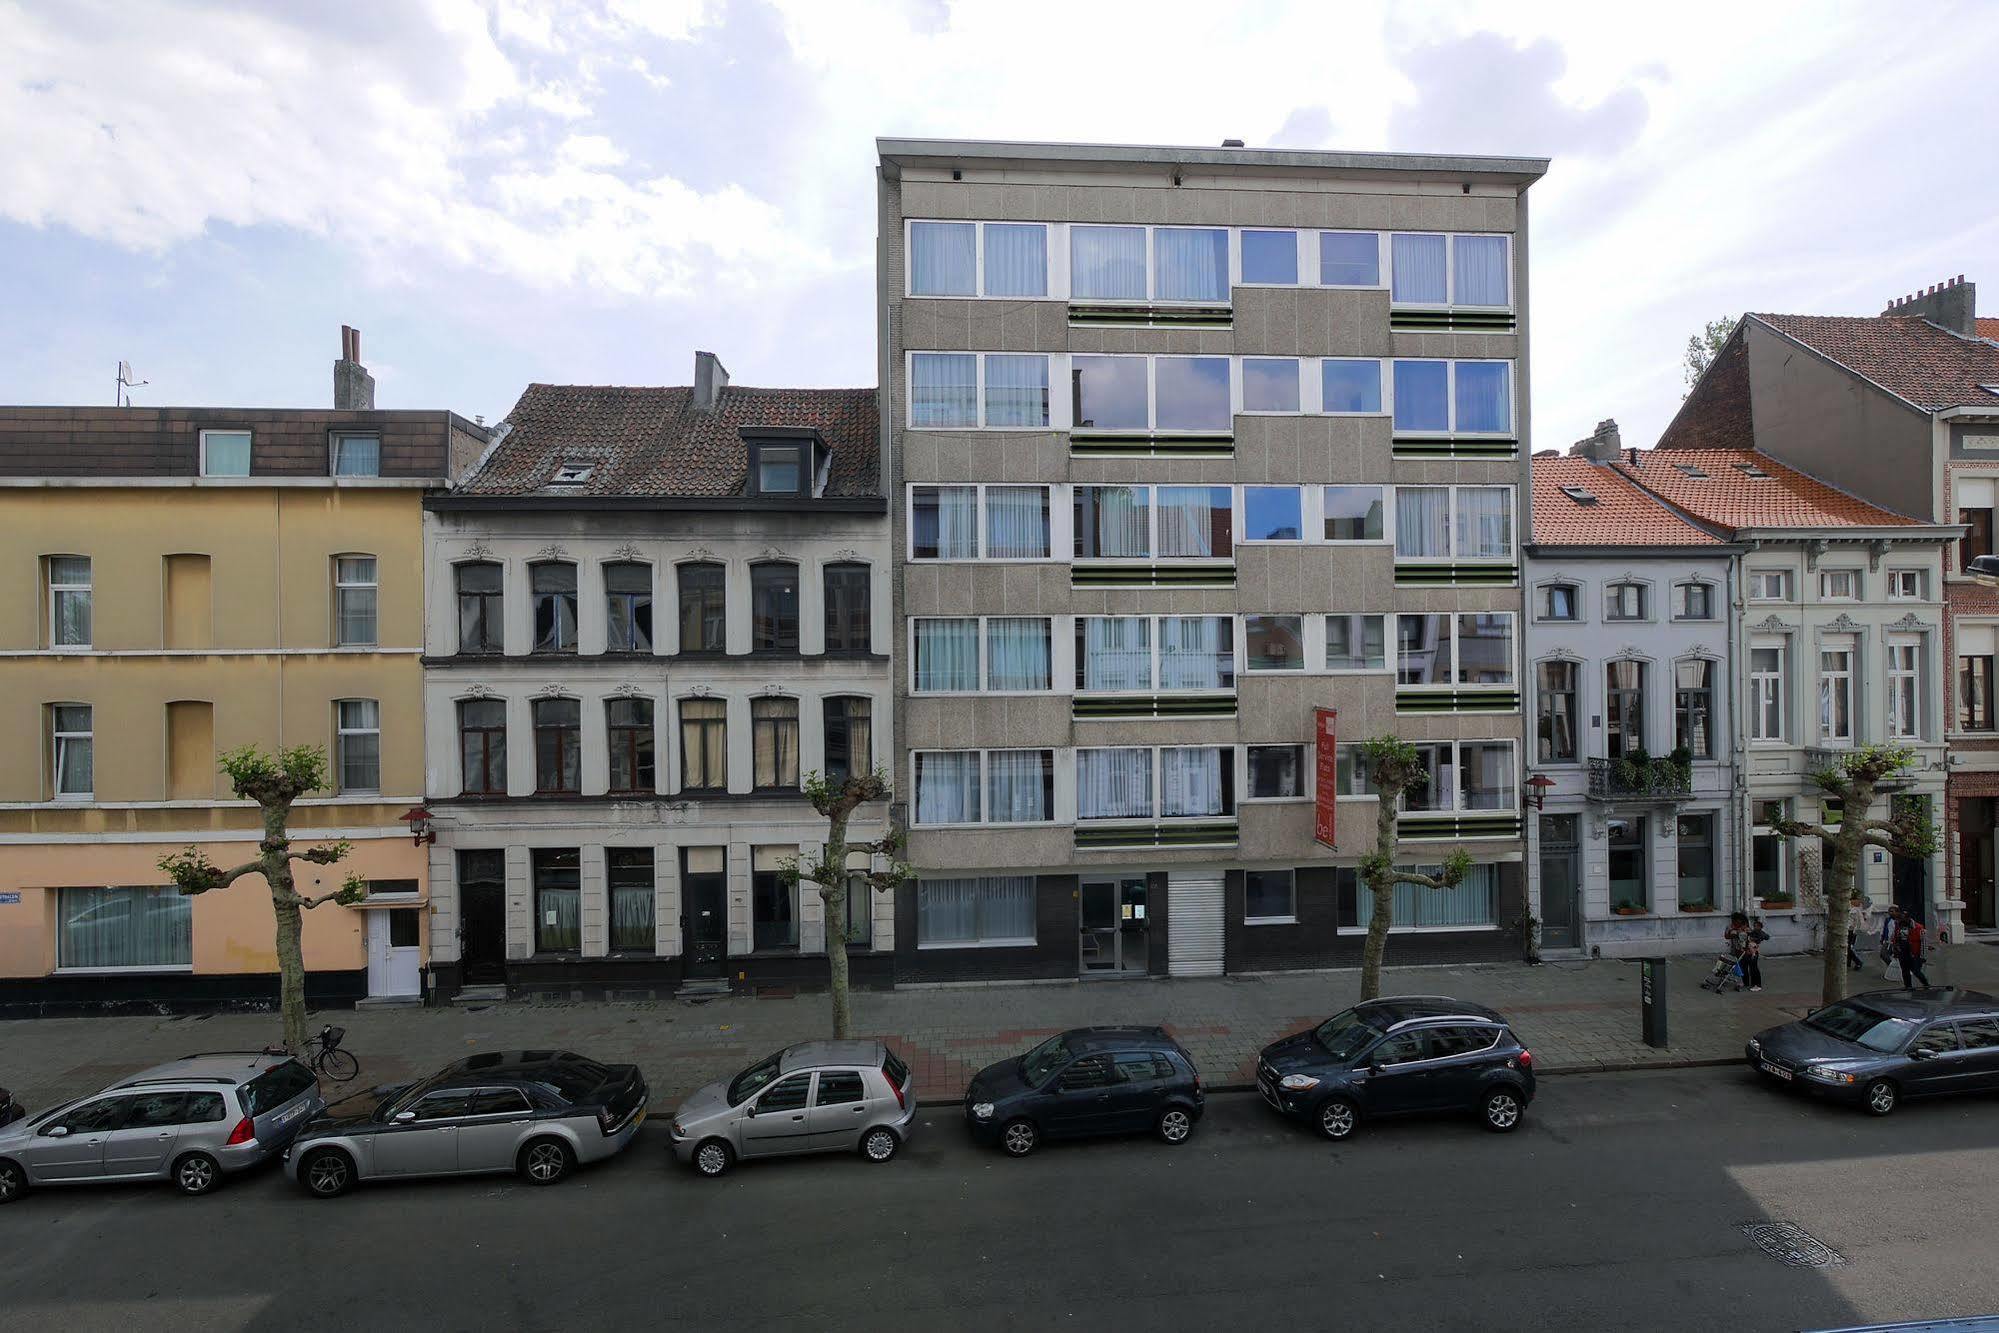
{"points": [[1855, 808], [291, 970], [1383, 888], [835, 896]]}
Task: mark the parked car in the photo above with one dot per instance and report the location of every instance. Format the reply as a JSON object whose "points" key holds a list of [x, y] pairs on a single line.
{"points": [[539, 1113], [1875, 1049], [1401, 1055], [1086, 1082], [191, 1121], [817, 1096]]}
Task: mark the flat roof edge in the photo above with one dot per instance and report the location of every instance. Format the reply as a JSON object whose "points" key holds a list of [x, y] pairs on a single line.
{"points": [[1512, 168]]}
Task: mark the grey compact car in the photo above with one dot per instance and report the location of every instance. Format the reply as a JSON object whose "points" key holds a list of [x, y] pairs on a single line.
{"points": [[1873, 1050], [539, 1113], [191, 1121], [817, 1096]]}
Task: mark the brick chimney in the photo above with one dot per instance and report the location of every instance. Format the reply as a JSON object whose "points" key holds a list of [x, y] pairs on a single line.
{"points": [[353, 386], [710, 378], [1603, 446], [1952, 304]]}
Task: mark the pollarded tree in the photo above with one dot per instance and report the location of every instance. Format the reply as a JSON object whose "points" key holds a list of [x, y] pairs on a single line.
{"points": [[274, 781], [837, 799], [1855, 781], [1393, 767]]}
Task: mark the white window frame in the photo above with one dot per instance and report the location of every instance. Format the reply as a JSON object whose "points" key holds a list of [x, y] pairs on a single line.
{"points": [[57, 591], [1457, 774], [1307, 257], [1306, 763], [1386, 493], [1242, 537], [1450, 301], [1757, 577], [1452, 556], [1158, 806], [341, 731], [1785, 865], [1356, 762], [985, 819], [1705, 584], [1239, 388], [1826, 576], [1452, 430], [1384, 371], [57, 737], [1058, 408], [1060, 536], [1151, 359], [340, 436], [1910, 728], [1151, 488], [1058, 266], [1845, 681], [1071, 624], [342, 585], [985, 665], [1388, 653], [1770, 686], [1457, 681], [1381, 261], [229, 430], [1916, 579]]}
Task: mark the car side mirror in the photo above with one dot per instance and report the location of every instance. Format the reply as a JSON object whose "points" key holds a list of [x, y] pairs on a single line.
{"points": [[404, 1117], [57, 1131], [1922, 1053]]}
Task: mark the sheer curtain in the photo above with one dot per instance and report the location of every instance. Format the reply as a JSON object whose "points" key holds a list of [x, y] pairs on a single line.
{"points": [[1114, 784], [1484, 396], [1485, 522], [947, 655], [1478, 264], [118, 927], [944, 389], [987, 910], [1018, 785], [1107, 263], [1017, 653], [1469, 905], [1016, 523], [1193, 263], [1423, 521], [942, 258], [1016, 390], [1016, 259], [1113, 522], [1114, 653], [945, 523], [1187, 521], [1191, 783], [1196, 653], [947, 787], [1417, 267]]}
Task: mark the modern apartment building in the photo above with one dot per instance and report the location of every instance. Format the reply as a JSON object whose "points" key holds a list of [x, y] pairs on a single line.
{"points": [[187, 581], [1184, 444], [1638, 845], [654, 611], [1901, 409]]}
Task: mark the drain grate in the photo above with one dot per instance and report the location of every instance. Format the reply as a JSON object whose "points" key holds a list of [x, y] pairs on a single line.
{"points": [[1788, 1243]]}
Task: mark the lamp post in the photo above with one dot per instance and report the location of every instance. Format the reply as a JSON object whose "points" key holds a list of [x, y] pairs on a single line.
{"points": [[422, 825]]}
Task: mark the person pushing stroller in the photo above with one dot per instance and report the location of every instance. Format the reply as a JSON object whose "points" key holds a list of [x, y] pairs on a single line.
{"points": [[1727, 973]]}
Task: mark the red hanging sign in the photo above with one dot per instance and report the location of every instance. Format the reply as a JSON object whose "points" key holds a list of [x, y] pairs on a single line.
{"points": [[1324, 725]]}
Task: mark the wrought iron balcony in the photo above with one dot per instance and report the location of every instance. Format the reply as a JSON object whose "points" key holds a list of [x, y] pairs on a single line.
{"points": [[1629, 780]]}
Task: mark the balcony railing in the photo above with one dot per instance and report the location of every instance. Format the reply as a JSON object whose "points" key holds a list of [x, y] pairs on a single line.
{"points": [[1639, 780]]}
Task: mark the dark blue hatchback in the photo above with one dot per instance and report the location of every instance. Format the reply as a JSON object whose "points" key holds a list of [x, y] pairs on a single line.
{"points": [[1086, 1082]]}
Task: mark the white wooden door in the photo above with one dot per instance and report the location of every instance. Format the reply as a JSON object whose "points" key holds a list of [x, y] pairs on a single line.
{"points": [[395, 953]]}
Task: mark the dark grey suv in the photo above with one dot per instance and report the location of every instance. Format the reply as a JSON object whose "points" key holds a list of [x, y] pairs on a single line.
{"points": [[1873, 1050], [1400, 1055]]}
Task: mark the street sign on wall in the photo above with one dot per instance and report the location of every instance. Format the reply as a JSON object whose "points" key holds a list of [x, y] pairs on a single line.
{"points": [[1325, 724]]}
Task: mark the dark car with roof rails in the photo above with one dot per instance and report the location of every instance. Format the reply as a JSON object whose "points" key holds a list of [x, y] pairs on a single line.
{"points": [[537, 1113], [1400, 1055], [1874, 1050], [1087, 1082]]}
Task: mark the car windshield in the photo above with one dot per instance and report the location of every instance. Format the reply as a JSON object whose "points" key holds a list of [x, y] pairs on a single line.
{"points": [[1044, 1060], [571, 1079], [1345, 1035], [746, 1083], [1867, 1027]]}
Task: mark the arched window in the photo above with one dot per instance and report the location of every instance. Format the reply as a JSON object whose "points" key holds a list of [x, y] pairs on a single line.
{"points": [[553, 584], [481, 603], [774, 607]]}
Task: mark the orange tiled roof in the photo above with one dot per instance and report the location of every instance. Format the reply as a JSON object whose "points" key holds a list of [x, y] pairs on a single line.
{"points": [[1623, 515], [1910, 357], [1731, 498], [1987, 328]]}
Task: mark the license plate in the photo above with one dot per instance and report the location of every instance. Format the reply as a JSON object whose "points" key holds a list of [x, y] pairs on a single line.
{"points": [[1780, 1072], [640, 1118]]}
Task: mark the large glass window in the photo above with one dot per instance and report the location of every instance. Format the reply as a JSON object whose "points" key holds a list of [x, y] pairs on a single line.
{"points": [[1624, 708], [1274, 643], [703, 607], [74, 752], [984, 910], [558, 900], [1016, 390], [1422, 396], [482, 746], [1195, 522], [1470, 397], [1017, 523], [1018, 653], [1192, 263], [1697, 860], [354, 596], [1469, 906], [1423, 522], [480, 619], [124, 927], [1020, 786], [1348, 385], [558, 746], [554, 587], [1114, 784], [1353, 513], [1423, 650], [357, 454], [225, 453], [1110, 392], [1483, 395], [947, 655], [630, 871], [774, 742], [704, 745], [1555, 713], [947, 786], [628, 607], [1420, 275], [1192, 393], [1196, 652], [1270, 384], [1268, 896], [1905, 655], [358, 744], [1196, 781], [1693, 707], [1273, 513], [1276, 771], [848, 611], [628, 731], [1485, 648], [1478, 271], [849, 720], [774, 607], [1356, 643], [944, 523], [1113, 653], [69, 601], [1836, 690], [1107, 263], [1484, 522], [943, 259], [943, 389], [1016, 259], [1349, 259], [1113, 522], [1630, 885], [1270, 258], [1486, 776]]}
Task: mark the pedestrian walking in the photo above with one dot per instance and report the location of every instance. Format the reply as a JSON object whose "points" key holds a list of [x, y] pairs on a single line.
{"points": [[1909, 949], [1853, 920], [1752, 953]]}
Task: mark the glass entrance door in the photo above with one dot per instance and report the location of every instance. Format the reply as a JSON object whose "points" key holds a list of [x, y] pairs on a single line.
{"points": [[1561, 881], [1115, 937]]}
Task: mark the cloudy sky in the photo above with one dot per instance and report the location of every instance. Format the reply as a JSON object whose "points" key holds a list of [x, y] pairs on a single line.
{"points": [[498, 191]]}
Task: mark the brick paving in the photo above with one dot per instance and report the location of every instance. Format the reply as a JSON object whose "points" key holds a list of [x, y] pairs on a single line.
{"points": [[1575, 1016]]}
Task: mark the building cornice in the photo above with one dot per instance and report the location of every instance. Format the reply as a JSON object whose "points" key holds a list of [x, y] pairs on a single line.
{"points": [[452, 503]]}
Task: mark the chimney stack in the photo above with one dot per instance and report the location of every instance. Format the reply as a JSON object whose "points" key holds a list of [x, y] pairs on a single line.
{"points": [[353, 386], [710, 378], [1605, 445], [1953, 305]]}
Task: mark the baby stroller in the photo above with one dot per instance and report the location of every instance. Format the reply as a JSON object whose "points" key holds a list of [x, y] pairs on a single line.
{"points": [[1727, 974]]}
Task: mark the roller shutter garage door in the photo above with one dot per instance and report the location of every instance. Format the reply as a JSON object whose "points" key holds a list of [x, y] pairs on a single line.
{"points": [[1194, 925]]}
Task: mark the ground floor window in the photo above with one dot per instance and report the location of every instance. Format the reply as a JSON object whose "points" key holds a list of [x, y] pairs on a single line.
{"points": [[987, 909], [558, 905], [1630, 890], [860, 906], [118, 927], [1697, 861], [630, 872], [1468, 906], [773, 900], [1269, 895], [1766, 852]]}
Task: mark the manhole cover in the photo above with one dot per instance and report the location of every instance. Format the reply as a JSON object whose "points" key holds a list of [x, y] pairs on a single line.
{"points": [[1791, 1244]]}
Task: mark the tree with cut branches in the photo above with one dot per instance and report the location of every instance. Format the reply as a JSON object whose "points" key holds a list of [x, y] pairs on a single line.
{"points": [[1908, 831], [837, 799], [1393, 767], [274, 781]]}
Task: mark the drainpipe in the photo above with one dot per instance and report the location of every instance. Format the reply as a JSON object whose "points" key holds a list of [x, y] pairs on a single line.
{"points": [[1738, 729]]}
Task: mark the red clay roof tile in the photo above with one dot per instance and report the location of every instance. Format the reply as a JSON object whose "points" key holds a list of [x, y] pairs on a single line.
{"points": [[1904, 354], [1731, 498], [1623, 515]]}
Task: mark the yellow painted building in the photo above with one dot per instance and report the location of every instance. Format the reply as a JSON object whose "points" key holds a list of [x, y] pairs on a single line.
{"points": [[185, 582]]}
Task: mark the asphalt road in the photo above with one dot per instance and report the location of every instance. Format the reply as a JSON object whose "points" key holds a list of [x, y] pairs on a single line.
{"points": [[1619, 1204]]}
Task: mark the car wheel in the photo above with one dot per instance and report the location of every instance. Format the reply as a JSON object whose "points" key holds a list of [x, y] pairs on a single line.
{"points": [[13, 1181], [879, 1144], [1882, 1096], [327, 1173], [196, 1173], [1338, 1118], [713, 1158], [1501, 1110], [1176, 1125], [545, 1161], [1019, 1138]]}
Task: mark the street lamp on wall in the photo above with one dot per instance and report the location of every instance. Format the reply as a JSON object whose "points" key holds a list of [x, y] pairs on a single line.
{"points": [[1538, 788], [421, 822]]}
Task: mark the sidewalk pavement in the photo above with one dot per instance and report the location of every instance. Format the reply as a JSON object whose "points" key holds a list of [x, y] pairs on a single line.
{"points": [[1574, 1016]]}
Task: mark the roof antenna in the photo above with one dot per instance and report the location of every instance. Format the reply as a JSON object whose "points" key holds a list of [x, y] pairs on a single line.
{"points": [[119, 396]]}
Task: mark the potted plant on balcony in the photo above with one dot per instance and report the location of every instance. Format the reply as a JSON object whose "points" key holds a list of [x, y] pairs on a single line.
{"points": [[1682, 761], [1777, 902], [1702, 906]]}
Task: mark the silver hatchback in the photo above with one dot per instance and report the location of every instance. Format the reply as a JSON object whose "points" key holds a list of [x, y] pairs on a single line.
{"points": [[818, 1096], [191, 1121]]}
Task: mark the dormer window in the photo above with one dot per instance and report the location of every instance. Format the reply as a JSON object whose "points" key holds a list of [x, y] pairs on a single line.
{"points": [[1579, 495], [572, 472], [1751, 470], [786, 462], [1690, 470], [780, 469]]}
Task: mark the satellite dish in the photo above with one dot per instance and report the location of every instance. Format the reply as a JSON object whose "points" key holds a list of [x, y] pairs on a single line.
{"points": [[125, 381]]}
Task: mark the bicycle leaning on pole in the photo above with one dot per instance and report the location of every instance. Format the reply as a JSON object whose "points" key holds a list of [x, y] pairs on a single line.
{"points": [[325, 1056]]}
